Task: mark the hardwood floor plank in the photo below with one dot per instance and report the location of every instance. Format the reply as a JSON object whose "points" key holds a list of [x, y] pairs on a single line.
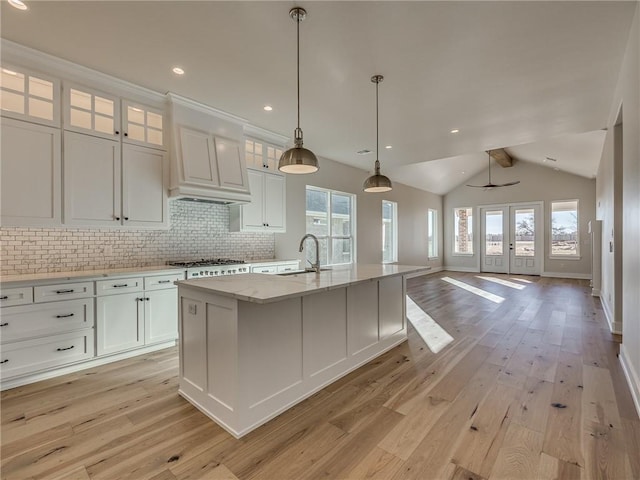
{"points": [[533, 408], [520, 455], [377, 465]]}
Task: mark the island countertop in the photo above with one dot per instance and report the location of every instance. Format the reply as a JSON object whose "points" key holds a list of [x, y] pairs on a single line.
{"points": [[259, 288]]}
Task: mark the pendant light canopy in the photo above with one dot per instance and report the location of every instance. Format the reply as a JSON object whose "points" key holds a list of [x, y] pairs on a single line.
{"points": [[376, 182], [298, 159]]}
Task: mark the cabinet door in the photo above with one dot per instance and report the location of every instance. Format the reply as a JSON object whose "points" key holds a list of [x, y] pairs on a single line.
{"points": [[144, 196], [252, 213], [30, 174], [92, 180], [29, 96], [119, 322], [161, 316], [274, 202], [232, 171], [198, 158], [90, 111], [142, 125]]}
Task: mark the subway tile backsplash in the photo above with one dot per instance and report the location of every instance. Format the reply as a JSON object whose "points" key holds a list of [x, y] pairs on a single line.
{"points": [[197, 230]]}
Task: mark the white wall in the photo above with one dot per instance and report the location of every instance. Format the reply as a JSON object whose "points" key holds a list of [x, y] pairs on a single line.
{"points": [[536, 183], [627, 99], [412, 215]]}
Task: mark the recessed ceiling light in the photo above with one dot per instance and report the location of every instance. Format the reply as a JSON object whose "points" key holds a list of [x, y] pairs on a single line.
{"points": [[267, 108], [19, 4], [177, 71], [455, 130], [463, 172], [388, 147], [363, 152]]}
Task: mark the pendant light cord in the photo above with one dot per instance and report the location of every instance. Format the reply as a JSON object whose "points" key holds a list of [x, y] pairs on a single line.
{"points": [[298, 20], [489, 153], [377, 128]]}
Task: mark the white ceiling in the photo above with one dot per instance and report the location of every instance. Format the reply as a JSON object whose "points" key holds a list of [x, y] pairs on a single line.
{"points": [[530, 76]]}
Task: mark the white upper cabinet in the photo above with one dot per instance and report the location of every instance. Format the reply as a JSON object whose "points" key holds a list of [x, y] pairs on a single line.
{"points": [[29, 96], [232, 173], [262, 155], [142, 125], [91, 111], [198, 158], [267, 210], [30, 173]]}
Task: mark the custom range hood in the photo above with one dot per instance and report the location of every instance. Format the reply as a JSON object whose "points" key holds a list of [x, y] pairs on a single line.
{"points": [[206, 154]]}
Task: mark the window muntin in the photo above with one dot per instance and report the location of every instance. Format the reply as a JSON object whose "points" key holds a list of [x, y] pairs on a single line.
{"points": [[564, 232], [463, 231], [389, 232], [330, 216], [262, 155], [28, 95], [432, 233]]}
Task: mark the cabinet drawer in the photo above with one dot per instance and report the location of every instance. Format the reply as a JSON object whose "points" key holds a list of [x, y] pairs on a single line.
{"points": [[158, 282], [16, 296], [288, 267], [20, 358], [270, 269], [40, 319], [122, 285], [63, 291]]}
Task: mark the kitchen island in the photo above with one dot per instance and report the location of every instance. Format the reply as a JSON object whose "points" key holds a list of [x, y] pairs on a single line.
{"points": [[252, 346]]}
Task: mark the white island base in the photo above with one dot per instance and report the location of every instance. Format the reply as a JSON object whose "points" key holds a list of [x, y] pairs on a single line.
{"points": [[244, 361]]}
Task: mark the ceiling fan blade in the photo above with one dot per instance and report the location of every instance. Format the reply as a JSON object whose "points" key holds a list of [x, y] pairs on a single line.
{"points": [[478, 186], [508, 184]]}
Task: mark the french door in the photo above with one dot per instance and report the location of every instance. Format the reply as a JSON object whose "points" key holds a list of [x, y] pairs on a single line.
{"points": [[511, 239]]}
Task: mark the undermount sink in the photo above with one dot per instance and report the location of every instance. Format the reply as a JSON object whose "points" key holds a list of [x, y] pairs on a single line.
{"points": [[300, 272]]}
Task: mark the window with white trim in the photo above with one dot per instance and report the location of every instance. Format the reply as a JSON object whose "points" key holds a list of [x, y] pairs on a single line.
{"points": [[463, 231], [330, 216], [564, 232], [389, 232], [432, 233]]}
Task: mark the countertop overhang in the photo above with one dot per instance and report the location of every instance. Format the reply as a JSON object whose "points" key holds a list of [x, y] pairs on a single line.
{"points": [[258, 288]]}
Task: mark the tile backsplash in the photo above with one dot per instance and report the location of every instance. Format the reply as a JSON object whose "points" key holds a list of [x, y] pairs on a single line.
{"points": [[197, 230]]}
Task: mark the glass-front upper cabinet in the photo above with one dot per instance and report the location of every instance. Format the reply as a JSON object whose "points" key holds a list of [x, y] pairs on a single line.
{"points": [[142, 125], [91, 111], [29, 96], [262, 155]]}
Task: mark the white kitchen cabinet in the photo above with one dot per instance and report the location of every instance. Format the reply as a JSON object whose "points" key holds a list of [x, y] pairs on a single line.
{"points": [[30, 96], [275, 266], [261, 155], [266, 212], [119, 325], [91, 112], [211, 161], [102, 188], [144, 192], [142, 125], [92, 180], [30, 174], [161, 315]]}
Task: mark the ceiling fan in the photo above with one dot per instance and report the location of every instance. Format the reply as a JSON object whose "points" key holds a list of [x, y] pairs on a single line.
{"points": [[490, 185]]}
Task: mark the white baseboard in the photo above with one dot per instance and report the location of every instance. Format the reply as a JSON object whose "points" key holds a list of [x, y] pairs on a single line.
{"points": [[608, 314], [577, 276], [461, 269], [435, 270], [595, 292], [56, 372], [633, 379]]}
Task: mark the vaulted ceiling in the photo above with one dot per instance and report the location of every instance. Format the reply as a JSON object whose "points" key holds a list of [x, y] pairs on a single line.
{"points": [[535, 77]]}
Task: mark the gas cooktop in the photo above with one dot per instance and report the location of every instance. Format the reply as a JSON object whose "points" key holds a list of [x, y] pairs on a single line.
{"points": [[206, 262]]}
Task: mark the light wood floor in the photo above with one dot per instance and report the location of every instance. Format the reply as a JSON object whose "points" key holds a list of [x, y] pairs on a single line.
{"points": [[529, 389]]}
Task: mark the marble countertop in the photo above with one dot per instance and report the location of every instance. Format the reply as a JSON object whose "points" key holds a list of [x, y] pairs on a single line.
{"points": [[17, 280], [259, 288]]}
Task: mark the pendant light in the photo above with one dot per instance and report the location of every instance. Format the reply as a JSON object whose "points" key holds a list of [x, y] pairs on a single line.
{"points": [[298, 159], [377, 182]]}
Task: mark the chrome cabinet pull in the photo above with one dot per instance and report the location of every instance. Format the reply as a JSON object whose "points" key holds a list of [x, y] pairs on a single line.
{"points": [[121, 285], [65, 316], [63, 349], [64, 291], [164, 281]]}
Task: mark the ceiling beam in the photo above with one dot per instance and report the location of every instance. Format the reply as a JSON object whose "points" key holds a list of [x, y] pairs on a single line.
{"points": [[501, 157]]}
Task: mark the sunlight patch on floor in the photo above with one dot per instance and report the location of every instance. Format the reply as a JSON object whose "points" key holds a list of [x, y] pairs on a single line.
{"points": [[520, 280], [475, 290], [433, 334], [501, 281]]}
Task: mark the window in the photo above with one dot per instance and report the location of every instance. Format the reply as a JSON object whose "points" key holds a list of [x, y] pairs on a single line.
{"points": [[463, 231], [389, 232], [432, 233], [331, 218], [564, 229]]}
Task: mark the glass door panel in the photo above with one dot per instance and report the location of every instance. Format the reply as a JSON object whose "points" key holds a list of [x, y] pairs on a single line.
{"points": [[493, 249], [525, 240]]}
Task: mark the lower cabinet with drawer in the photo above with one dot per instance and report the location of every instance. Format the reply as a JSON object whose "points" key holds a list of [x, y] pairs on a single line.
{"points": [[275, 267]]}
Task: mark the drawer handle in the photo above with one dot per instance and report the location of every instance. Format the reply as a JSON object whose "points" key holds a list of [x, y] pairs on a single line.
{"points": [[65, 291], [5, 360], [264, 271], [121, 285], [4, 324], [4, 297], [63, 349], [65, 316], [164, 281]]}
